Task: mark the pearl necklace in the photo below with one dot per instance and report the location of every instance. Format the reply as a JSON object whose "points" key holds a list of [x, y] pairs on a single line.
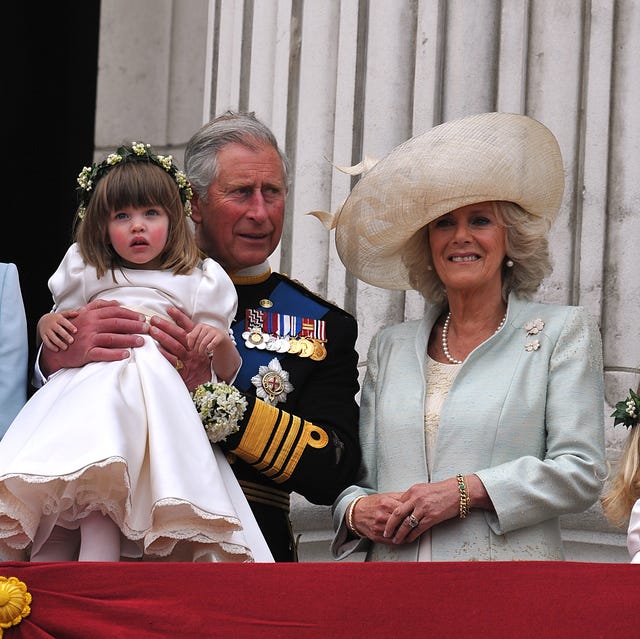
{"points": [[445, 343]]}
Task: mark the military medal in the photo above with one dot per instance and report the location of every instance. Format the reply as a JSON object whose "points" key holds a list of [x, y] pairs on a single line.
{"points": [[281, 333], [306, 347], [279, 345], [294, 346], [319, 351], [255, 338]]}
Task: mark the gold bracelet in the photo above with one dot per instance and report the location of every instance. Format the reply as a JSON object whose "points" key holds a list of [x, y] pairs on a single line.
{"points": [[464, 498], [349, 518]]}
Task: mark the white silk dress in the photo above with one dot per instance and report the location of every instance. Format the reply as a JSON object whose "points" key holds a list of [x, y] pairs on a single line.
{"points": [[633, 532], [124, 437]]}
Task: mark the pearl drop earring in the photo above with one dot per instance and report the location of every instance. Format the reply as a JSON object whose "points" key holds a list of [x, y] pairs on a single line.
{"points": [[509, 263]]}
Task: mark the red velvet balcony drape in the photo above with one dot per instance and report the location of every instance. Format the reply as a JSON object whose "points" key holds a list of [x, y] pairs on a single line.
{"points": [[520, 600]]}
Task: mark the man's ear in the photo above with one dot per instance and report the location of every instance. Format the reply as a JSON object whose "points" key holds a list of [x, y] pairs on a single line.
{"points": [[196, 214]]}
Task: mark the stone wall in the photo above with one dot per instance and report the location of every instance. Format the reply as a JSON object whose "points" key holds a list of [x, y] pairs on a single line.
{"points": [[340, 79]]}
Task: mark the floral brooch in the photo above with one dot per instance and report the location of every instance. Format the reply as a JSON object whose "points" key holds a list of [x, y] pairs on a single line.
{"points": [[533, 327]]}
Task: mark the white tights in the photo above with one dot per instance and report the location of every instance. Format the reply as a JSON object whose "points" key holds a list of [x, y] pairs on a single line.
{"points": [[98, 539]]}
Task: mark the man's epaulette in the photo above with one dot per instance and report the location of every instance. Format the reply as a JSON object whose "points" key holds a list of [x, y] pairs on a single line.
{"points": [[299, 286]]}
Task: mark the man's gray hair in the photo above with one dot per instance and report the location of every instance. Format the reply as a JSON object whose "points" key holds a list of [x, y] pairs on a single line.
{"points": [[201, 152]]}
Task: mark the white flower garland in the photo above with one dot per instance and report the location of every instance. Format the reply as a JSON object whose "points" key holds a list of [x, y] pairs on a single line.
{"points": [[138, 151], [220, 407]]}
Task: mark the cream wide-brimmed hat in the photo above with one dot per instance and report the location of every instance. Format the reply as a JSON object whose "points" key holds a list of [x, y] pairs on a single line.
{"points": [[490, 156]]}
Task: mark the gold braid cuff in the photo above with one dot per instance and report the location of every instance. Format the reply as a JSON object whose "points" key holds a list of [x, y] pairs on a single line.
{"points": [[273, 441], [265, 495]]}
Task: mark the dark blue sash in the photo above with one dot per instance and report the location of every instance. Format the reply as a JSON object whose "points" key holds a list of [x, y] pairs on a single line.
{"points": [[287, 300]]}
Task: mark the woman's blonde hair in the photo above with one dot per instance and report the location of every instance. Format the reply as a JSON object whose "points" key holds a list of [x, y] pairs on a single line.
{"points": [[136, 184], [624, 490], [527, 247]]}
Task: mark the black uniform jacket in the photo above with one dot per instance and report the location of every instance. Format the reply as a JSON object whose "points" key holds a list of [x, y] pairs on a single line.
{"points": [[305, 440]]}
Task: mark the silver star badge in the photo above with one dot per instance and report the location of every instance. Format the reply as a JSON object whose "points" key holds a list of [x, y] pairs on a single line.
{"points": [[272, 383]]}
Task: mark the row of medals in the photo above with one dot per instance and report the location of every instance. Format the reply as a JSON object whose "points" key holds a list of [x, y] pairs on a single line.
{"points": [[310, 347]]}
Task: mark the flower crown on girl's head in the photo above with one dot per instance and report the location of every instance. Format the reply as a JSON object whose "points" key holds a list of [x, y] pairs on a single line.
{"points": [[137, 152], [627, 411]]}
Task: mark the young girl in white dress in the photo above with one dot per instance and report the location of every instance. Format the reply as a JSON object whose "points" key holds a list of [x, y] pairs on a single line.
{"points": [[111, 460], [621, 500]]}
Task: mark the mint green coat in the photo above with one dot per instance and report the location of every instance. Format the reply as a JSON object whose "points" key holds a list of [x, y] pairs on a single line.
{"points": [[528, 422]]}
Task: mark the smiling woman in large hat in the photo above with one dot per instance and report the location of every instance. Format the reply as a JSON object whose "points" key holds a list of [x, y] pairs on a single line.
{"points": [[481, 424]]}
